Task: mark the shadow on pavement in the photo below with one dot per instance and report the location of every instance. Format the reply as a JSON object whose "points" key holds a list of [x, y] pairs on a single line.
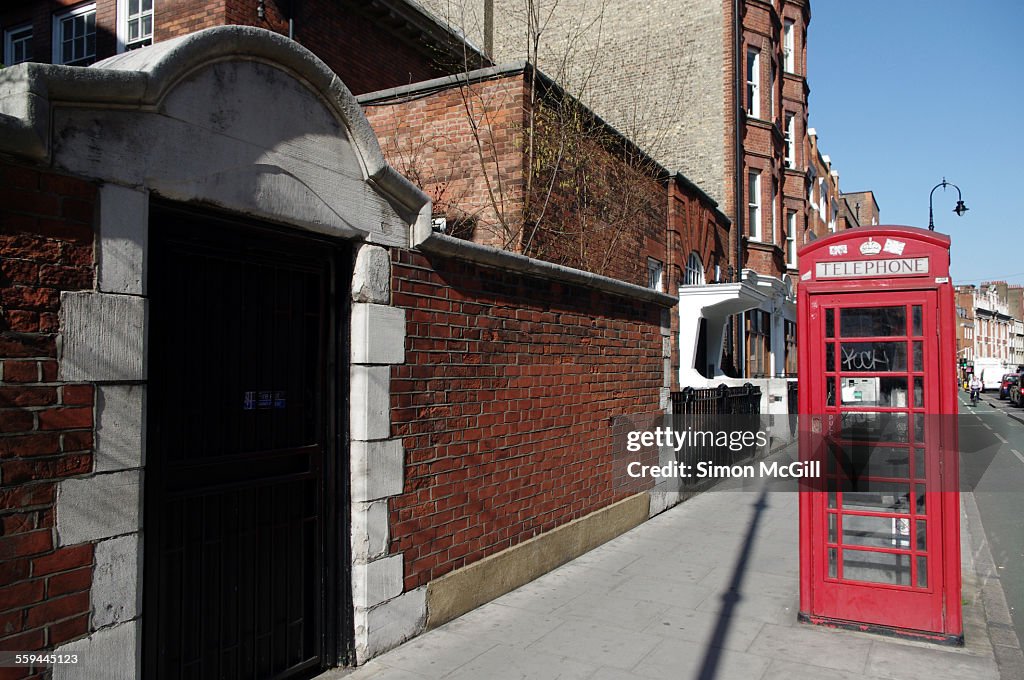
{"points": [[732, 596]]}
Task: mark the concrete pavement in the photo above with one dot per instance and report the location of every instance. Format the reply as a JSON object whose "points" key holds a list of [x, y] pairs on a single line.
{"points": [[706, 590]]}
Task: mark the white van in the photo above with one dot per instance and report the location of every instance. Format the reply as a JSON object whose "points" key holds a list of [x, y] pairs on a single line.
{"points": [[991, 372]]}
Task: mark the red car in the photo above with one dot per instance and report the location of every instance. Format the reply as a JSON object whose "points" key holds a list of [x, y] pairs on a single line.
{"points": [[1008, 381]]}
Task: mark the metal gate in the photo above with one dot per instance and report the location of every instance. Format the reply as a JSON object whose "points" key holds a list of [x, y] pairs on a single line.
{"points": [[241, 482]]}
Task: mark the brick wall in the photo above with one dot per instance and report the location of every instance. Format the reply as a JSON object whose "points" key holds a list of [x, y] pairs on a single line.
{"points": [[431, 140], [592, 206], [46, 427], [350, 42], [504, 406], [173, 18]]}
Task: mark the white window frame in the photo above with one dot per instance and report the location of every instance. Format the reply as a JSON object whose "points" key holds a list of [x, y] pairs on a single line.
{"points": [[789, 46], [655, 270], [11, 38], [754, 204], [123, 19], [694, 274], [791, 238], [790, 134], [58, 32], [754, 83]]}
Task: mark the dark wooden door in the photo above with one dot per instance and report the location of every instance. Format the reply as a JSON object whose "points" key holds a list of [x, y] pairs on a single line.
{"points": [[240, 478]]}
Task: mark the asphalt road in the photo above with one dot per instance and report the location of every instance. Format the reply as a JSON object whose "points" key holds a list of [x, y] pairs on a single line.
{"points": [[992, 460]]}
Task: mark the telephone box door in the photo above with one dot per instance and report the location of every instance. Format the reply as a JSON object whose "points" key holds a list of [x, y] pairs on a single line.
{"points": [[877, 528]]}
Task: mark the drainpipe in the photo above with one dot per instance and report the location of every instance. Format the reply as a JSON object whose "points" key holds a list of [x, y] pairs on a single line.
{"points": [[738, 75], [291, 19]]}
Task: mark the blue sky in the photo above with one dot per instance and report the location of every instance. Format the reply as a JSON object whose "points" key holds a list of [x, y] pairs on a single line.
{"points": [[906, 92]]}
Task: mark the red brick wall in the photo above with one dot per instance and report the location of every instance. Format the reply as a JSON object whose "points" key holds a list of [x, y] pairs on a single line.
{"points": [[363, 51], [504, 406], [600, 213], [597, 206], [172, 18], [430, 140], [46, 427]]}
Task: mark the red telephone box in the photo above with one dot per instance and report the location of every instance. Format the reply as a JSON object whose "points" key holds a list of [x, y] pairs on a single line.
{"points": [[880, 529]]}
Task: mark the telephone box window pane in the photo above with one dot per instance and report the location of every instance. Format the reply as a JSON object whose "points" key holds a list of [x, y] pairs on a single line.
{"points": [[830, 398], [919, 466], [876, 532], [874, 357], [875, 461], [922, 535], [886, 392], [921, 508], [919, 430], [863, 322], [917, 320], [875, 427], [832, 563], [922, 571], [872, 567], [830, 357], [878, 497], [832, 530], [919, 391], [918, 355], [830, 323]]}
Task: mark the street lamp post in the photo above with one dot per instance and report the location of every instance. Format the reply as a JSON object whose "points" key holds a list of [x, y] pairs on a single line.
{"points": [[960, 208]]}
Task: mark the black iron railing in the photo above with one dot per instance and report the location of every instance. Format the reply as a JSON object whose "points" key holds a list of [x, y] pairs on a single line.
{"points": [[722, 411], [722, 400]]}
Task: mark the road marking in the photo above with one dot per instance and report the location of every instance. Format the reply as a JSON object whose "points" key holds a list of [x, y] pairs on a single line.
{"points": [[977, 416], [987, 425], [1000, 438], [1017, 453]]}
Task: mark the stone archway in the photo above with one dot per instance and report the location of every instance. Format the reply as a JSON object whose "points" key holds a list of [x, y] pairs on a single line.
{"points": [[254, 125]]}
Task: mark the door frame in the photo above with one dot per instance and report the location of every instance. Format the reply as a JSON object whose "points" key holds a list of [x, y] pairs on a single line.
{"points": [[337, 637], [835, 596], [945, 505]]}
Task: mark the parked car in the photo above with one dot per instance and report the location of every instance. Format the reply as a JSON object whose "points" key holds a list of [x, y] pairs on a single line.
{"points": [[1008, 381], [1016, 395]]}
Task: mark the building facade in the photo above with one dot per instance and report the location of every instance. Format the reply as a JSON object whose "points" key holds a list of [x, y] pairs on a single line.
{"points": [[989, 311], [607, 208], [346, 35], [373, 407], [718, 90]]}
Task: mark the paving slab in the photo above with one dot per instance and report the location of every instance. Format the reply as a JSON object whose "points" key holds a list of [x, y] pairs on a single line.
{"points": [[707, 590]]}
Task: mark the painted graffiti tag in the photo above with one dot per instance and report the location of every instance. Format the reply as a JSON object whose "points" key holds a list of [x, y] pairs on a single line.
{"points": [[865, 360]]}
